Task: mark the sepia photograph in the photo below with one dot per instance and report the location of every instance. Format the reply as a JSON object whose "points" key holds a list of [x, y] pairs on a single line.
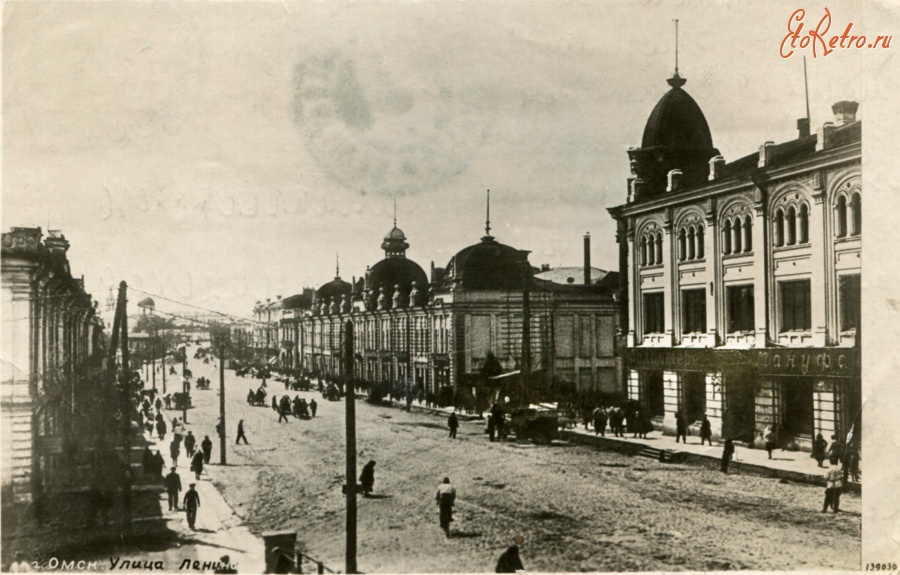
{"points": [[448, 287]]}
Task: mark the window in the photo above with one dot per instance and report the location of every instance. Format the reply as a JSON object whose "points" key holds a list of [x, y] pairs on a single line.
{"points": [[654, 321], [737, 236], [748, 234], [795, 306], [726, 237], [849, 301], [804, 224], [692, 247], [856, 210], [643, 251], [693, 311], [840, 215], [779, 228], [651, 251], [790, 225], [682, 254], [700, 242], [740, 308], [659, 252]]}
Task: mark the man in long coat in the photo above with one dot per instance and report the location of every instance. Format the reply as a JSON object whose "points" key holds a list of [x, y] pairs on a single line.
{"points": [[206, 446], [172, 483]]}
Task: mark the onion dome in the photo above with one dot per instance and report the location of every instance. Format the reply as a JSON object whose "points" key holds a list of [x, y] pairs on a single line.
{"points": [[147, 303], [394, 244], [391, 274]]}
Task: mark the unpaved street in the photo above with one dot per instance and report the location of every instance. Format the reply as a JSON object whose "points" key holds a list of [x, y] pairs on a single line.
{"points": [[577, 508]]}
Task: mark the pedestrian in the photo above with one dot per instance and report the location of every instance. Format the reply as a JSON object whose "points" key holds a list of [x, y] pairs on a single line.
{"points": [[168, 400], [367, 478], [727, 453], [161, 429], [509, 561], [172, 483], [197, 465], [769, 437], [206, 447], [819, 447], [833, 486], [174, 451], [191, 503], [852, 462], [158, 465], [836, 449], [680, 427], [313, 406], [274, 402], [158, 404], [240, 433], [491, 428], [189, 442], [284, 409], [705, 431], [453, 424], [600, 418], [147, 461], [446, 497]]}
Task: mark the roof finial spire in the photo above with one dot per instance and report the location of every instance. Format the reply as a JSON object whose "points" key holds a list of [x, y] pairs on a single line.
{"points": [[337, 265], [395, 212], [676, 81], [487, 222]]}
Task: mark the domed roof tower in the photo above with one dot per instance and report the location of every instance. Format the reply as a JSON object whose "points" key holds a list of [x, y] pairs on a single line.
{"points": [[394, 272], [676, 137], [336, 288]]}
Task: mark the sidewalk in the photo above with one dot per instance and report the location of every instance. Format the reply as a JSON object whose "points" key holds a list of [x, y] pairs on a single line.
{"points": [[218, 529], [791, 465]]}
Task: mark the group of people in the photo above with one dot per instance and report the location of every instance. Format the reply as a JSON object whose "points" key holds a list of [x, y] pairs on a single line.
{"points": [[191, 500], [618, 419], [298, 407]]}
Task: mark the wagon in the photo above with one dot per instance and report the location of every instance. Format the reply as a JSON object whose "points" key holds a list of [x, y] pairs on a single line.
{"points": [[182, 400]]}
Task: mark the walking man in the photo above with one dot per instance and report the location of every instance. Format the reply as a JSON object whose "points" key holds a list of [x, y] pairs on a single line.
{"points": [[240, 433], [206, 447], [189, 442], [453, 424], [172, 483], [313, 406], [191, 503], [197, 465], [174, 451], [769, 438], [727, 452], [680, 427], [705, 431], [833, 485], [446, 497]]}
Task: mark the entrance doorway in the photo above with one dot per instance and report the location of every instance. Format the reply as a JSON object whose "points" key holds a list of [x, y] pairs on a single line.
{"points": [[740, 406], [693, 385], [654, 399], [797, 407]]}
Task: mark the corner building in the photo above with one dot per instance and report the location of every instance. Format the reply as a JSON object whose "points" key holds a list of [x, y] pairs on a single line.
{"points": [[742, 278]]}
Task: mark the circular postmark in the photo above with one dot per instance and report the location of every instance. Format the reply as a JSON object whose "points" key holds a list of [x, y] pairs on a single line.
{"points": [[383, 131]]}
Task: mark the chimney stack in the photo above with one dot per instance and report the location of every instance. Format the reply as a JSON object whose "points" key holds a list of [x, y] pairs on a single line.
{"points": [[844, 112], [803, 127], [545, 267], [587, 258]]}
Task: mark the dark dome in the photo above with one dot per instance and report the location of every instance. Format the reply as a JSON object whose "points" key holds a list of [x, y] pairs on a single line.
{"points": [[147, 302], [336, 287], [677, 122], [396, 271], [490, 265], [395, 234]]}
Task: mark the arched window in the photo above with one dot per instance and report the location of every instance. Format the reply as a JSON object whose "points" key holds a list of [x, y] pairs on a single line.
{"points": [[651, 251], [659, 252], [643, 250], [726, 238], [804, 224], [791, 226], [748, 234], [682, 253], [699, 242], [691, 247], [840, 216], [856, 210], [737, 236], [779, 228]]}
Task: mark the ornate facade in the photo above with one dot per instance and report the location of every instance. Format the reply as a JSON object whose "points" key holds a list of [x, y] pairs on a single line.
{"points": [[51, 336], [742, 279]]}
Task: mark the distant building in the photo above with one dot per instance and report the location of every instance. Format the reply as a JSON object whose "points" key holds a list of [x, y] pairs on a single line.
{"points": [[742, 278], [462, 324], [51, 342]]}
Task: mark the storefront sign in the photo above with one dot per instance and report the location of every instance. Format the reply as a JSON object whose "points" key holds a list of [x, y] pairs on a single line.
{"points": [[823, 362], [834, 362]]}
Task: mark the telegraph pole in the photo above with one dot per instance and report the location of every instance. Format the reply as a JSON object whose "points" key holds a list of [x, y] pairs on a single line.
{"points": [[184, 386], [350, 416], [222, 441], [122, 321]]}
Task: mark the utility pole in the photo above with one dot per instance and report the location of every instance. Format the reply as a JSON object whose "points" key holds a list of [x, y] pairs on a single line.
{"points": [[221, 402], [163, 363], [121, 322], [350, 416], [184, 386]]}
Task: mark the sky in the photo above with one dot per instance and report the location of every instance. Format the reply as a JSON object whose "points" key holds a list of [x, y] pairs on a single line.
{"points": [[220, 153]]}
